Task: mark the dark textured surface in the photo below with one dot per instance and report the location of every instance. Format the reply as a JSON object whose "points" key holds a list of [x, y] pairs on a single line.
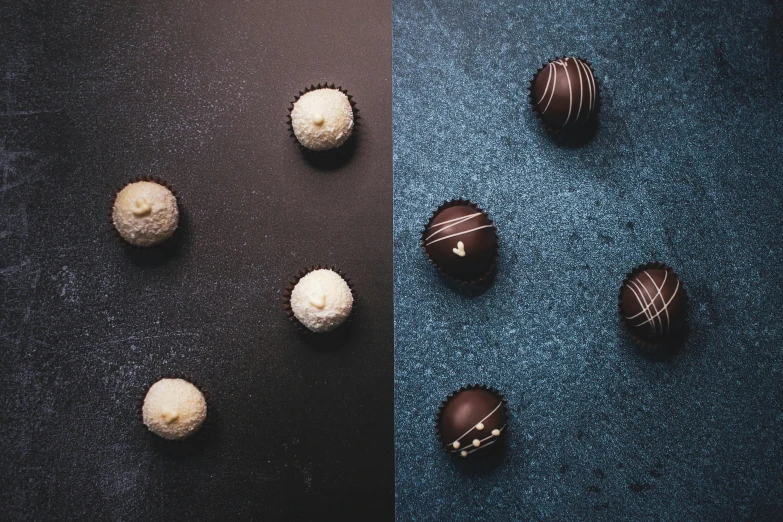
{"points": [[684, 169], [91, 96]]}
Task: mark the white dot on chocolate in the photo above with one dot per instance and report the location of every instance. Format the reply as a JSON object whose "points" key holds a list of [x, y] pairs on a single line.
{"points": [[479, 426], [496, 433], [456, 445], [464, 453], [476, 442]]}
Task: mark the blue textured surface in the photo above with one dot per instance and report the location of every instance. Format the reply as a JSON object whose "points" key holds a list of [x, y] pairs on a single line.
{"points": [[684, 169]]}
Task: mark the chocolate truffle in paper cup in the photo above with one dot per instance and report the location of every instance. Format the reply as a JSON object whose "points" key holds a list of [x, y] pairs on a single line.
{"points": [[564, 94], [145, 213], [653, 304], [174, 409], [322, 118], [472, 420], [461, 241], [321, 300]]}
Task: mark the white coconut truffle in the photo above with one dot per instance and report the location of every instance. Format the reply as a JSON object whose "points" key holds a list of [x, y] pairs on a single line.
{"points": [[322, 300], [145, 213], [322, 119], [174, 409]]}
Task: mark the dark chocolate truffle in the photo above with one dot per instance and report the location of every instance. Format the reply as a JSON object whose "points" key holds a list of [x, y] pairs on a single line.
{"points": [[471, 419], [564, 94], [653, 303], [461, 241]]}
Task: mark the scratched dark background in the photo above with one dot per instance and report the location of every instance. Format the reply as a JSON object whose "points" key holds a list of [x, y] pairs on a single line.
{"points": [[685, 168], [92, 96]]}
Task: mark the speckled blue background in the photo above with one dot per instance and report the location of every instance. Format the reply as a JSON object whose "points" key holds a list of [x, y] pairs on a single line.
{"points": [[685, 168]]}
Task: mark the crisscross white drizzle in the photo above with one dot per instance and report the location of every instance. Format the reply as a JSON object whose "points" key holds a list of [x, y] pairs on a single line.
{"points": [[655, 315]]}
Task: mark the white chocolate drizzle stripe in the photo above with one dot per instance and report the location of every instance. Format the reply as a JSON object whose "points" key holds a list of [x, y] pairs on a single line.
{"points": [[481, 441], [588, 73], [664, 309], [653, 298], [451, 220], [642, 302], [652, 304], [474, 426], [645, 306], [652, 301], [581, 89], [589, 81], [482, 446], [570, 93], [546, 88], [554, 83], [650, 317], [460, 221], [665, 305], [457, 234]]}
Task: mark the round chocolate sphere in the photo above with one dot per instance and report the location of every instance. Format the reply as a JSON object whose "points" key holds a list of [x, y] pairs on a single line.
{"points": [[461, 241], [653, 303], [564, 94], [471, 420]]}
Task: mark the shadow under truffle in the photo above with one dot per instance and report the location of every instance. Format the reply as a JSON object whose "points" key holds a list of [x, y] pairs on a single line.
{"points": [[484, 465], [469, 289], [576, 138], [330, 341], [663, 353], [331, 159], [160, 254]]}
